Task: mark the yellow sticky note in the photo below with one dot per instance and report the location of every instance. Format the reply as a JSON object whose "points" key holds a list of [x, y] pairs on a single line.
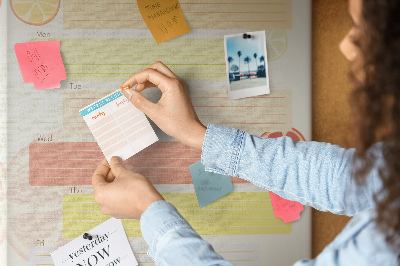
{"points": [[164, 18]]}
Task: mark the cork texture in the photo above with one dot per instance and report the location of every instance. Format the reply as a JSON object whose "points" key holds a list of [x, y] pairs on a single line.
{"points": [[330, 99]]}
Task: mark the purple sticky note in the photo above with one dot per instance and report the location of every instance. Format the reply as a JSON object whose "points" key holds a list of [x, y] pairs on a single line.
{"points": [[41, 64]]}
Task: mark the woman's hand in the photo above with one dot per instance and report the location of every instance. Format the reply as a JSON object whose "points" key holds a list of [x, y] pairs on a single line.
{"points": [[174, 113], [122, 193]]}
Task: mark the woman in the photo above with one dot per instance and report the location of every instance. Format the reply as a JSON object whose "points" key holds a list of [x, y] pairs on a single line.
{"points": [[363, 183]]}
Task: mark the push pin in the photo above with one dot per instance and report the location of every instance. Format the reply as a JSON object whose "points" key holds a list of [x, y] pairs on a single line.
{"points": [[246, 36], [87, 236]]}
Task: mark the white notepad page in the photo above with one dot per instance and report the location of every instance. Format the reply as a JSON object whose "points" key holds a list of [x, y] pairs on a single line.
{"points": [[118, 126]]}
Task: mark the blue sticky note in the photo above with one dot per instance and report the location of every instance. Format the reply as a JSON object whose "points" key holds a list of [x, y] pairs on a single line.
{"points": [[209, 186]]}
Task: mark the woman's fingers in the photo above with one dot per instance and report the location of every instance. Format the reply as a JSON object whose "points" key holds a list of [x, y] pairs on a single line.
{"points": [[159, 80], [100, 174], [110, 177], [160, 67], [142, 86], [174, 113], [141, 102]]}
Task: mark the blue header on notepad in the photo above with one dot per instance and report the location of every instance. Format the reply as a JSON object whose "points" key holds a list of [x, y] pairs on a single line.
{"points": [[101, 103]]}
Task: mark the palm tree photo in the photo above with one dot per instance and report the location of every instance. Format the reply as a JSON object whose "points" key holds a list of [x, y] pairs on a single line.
{"points": [[239, 54], [230, 60], [262, 59], [247, 60], [255, 57]]}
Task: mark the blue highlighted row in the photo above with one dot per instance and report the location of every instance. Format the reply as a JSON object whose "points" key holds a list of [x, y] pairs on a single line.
{"points": [[101, 103]]}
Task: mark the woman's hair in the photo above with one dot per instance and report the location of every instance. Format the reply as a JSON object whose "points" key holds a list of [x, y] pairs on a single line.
{"points": [[375, 103]]}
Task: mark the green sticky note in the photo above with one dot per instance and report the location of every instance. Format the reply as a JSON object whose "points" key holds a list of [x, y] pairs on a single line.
{"points": [[209, 186]]}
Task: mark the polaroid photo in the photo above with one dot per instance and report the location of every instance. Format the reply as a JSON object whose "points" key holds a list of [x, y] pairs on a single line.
{"points": [[246, 64]]}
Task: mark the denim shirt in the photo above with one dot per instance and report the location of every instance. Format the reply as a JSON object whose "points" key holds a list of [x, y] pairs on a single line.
{"points": [[312, 173]]}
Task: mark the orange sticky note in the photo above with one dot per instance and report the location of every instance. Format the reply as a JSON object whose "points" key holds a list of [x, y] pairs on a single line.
{"points": [[164, 18], [284, 209], [41, 64]]}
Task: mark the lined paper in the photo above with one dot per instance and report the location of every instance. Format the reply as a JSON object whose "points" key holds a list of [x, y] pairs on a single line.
{"points": [[104, 59], [268, 113], [201, 14], [72, 163], [235, 253], [238, 213]]}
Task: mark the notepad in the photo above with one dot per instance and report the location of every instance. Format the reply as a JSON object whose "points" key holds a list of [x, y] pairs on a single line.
{"points": [[119, 128]]}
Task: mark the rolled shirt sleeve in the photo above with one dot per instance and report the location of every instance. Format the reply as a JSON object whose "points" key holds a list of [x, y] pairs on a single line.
{"points": [[172, 241], [312, 173]]}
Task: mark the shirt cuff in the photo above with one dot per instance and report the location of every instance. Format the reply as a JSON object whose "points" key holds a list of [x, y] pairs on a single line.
{"points": [[158, 219], [221, 150]]}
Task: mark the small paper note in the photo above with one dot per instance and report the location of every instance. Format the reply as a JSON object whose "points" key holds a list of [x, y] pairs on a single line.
{"points": [[108, 246], [209, 186], [284, 209], [41, 64], [164, 18], [118, 126]]}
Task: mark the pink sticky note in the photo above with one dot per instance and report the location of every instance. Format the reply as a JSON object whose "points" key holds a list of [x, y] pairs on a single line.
{"points": [[284, 209], [41, 64]]}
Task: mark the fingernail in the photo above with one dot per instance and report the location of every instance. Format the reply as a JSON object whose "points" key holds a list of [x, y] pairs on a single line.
{"points": [[115, 160], [128, 94], [125, 88]]}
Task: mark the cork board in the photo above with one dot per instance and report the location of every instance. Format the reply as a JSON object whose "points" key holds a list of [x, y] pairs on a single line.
{"points": [[331, 89]]}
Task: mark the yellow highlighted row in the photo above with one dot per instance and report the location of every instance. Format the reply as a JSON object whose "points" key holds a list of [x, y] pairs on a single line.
{"points": [[238, 213], [88, 59], [202, 14]]}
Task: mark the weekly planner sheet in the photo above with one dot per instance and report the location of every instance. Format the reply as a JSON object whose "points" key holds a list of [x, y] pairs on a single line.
{"points": [[118, 126], [52, 139]]}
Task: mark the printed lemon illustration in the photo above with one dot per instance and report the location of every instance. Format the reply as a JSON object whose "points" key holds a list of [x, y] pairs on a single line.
{"points": [[34, 213], [35, 12], [276, 43]]}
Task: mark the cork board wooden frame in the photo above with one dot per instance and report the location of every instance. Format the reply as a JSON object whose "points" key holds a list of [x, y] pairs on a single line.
{"points": [[331, 88]]}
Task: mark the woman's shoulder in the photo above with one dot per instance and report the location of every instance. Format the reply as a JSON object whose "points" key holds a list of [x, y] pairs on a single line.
{"points": [[362, 241]]}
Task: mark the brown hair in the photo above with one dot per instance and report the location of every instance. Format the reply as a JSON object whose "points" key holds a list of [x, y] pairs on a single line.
{"points": [[375, 103]]}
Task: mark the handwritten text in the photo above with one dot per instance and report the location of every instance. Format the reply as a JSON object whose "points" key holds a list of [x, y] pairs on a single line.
{"points": [[100, 114]]}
